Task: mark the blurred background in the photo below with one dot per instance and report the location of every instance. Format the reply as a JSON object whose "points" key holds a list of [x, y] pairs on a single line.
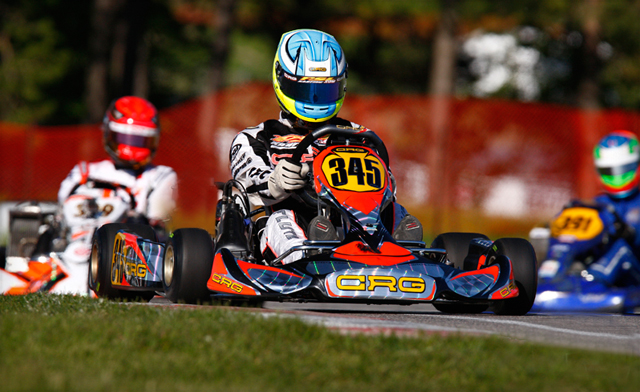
{"points": [[490, 109]]}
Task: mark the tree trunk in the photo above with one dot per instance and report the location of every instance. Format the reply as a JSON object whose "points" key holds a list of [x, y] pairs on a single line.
{"points": [[441, 90], [102, 27], [219, 55], [135, 53], [587, 99]]}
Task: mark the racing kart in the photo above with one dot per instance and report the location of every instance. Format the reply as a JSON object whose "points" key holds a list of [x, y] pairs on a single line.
{"points": [[578, 236], [350, 187], [45, 254]]}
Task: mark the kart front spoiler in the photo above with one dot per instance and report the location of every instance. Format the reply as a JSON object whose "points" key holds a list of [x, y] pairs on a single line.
{"points": [[326, 278], [609, 300]]}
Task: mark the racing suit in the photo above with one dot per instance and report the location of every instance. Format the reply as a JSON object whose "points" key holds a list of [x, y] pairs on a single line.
{"points": [[620, 262], [254, 154], [99, 192]]}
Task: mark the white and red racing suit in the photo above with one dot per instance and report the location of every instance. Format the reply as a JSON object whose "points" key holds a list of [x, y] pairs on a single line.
{"points": [[154, 187], [254, 154], [154, 192]]}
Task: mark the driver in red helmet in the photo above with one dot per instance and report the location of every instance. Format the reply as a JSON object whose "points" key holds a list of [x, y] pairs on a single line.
{"points": [[126, 187], [309, 79]]}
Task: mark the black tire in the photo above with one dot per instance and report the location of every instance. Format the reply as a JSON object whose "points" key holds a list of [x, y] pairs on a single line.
{"points": [[3, 257], [188, 258], [101, 258], [525, 273], [457, 247]]}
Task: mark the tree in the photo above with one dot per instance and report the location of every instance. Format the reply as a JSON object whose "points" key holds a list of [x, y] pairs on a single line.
{"points": [[37, 54], [103, 20], [441, 89]]}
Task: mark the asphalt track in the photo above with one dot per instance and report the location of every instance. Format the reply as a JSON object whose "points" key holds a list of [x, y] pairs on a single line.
{"points": [[601, 332]]}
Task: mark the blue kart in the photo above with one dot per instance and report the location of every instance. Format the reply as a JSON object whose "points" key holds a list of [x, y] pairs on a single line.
{"points": [[580, 235]]}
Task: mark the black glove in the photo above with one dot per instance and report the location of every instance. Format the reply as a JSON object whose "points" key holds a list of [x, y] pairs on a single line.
{"points": [[623, 229]]}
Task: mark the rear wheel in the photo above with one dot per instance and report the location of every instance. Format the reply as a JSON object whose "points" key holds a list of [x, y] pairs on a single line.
{"points": [[102, 256], [523, 262], [457, 247], [188, 259]]}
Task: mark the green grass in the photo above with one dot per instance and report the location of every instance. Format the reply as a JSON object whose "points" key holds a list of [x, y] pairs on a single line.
{"points": [[58, 343]]}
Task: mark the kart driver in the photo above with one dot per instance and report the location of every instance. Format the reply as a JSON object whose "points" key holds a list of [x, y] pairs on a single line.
{"points": [[256, 155], [617, 157], [131, 134]]}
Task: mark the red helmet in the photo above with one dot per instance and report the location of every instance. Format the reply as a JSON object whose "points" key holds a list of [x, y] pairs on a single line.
{"points": [[131, 131]]}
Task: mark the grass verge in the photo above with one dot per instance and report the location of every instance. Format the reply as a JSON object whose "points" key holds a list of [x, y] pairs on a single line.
{"points": [[61, 343]]}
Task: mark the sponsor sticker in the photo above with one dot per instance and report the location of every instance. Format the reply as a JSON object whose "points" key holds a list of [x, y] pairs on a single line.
{"points": [[371, 283]]}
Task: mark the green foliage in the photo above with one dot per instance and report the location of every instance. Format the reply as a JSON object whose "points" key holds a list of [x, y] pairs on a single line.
{"points": [[44, 47], [251, 58], [31, 60], [61, 343]]}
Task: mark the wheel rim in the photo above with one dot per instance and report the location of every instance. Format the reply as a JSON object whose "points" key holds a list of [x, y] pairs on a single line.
{"points": [[93, 267], [169, 263]]}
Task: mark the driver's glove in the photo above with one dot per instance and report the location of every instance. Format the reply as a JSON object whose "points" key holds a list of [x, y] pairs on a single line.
{"points": [[623, 229], [286, 178], [626, 232], [91, 209]]}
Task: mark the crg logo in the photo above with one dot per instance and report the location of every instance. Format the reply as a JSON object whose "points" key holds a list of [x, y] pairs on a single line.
{"points": [[405, 284]]}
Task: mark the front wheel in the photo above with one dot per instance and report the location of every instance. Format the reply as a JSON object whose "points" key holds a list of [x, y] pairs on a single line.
{"points": [[457, 247], [102, 257], [188, 259], [525, 273]]}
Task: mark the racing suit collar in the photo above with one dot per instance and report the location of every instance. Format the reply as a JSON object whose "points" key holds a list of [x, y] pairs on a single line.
{"points": [[295, 123], [128, 169], [631, 194]]}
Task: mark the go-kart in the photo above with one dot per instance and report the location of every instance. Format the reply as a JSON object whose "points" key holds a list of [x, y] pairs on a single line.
{"points": [[459, 273], [49, 245], [578, 236]]}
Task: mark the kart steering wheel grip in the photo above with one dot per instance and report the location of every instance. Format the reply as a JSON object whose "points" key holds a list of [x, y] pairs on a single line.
{"points": [[296, 157]]}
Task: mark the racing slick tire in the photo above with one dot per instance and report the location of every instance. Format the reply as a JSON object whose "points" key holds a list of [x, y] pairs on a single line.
{"points": [[525, 273], [188, 259], [457, 247], [102, 256]]}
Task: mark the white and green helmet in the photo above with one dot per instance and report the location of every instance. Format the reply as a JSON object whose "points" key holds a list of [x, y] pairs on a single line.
{"points": [[617, 156], [310, 75]]}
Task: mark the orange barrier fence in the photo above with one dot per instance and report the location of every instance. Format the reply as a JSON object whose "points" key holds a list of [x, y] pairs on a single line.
{"points": [[454, 159]]}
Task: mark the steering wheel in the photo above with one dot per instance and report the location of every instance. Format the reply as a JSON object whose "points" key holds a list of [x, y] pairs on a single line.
{"points": [[349, 133], [107, 185]]}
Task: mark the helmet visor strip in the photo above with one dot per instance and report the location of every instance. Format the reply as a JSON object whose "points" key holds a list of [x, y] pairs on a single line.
{"points": [[312, 89], [117, 138], [618, 170]]}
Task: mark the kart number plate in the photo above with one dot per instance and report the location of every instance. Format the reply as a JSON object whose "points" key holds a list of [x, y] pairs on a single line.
{"points": [[578, 222], [354, 169]]}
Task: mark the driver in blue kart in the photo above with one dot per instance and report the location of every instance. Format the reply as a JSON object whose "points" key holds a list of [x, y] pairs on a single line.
{"points": [[617, 157], [310, 79]]}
